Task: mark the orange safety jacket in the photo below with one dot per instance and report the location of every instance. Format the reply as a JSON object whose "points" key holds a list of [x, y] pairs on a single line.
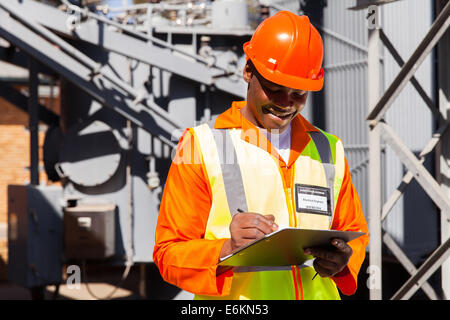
{"points": [[188, 260]]}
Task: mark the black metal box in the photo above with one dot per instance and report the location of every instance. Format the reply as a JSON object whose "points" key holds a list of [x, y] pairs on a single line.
{"points": [[35, 250], [89, 231]]}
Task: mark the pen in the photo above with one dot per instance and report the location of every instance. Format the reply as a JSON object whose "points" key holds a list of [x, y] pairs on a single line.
{"points": [[240, 210], [314, 276]]}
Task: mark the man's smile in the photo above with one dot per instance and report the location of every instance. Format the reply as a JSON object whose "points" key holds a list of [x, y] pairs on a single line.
{"points": [[275, 111]]}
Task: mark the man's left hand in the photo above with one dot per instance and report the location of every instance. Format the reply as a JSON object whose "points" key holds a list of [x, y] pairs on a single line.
{"points": [[329, 262]]}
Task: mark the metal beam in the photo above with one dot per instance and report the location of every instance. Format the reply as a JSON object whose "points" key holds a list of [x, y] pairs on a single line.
{"points": [[414, 165], [436, 31], [33, 121], [407, 178], [15, 97], [387, 239], [423, 177], [95, 68], [424, 272], [17, 58], [155, 120], [433, 108], [407, 264], [100, 34], [443, 154], [375, 232]]}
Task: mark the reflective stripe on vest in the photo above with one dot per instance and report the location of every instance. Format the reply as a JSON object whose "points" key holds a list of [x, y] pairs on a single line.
{"points": [[230, 170], [262, 190], [324, 149]]}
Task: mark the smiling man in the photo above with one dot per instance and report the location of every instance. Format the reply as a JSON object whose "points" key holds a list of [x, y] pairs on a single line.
{"points": [[247, 173]]}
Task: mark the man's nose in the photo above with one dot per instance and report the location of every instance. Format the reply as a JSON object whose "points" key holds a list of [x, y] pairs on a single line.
{"points": [[283, 99]]}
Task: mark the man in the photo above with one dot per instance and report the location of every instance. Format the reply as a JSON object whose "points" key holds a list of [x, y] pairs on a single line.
{"points": [[245, 175]]}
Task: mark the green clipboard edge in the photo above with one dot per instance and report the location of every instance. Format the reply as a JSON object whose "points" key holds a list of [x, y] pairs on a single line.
{"points": [[284, 247]]}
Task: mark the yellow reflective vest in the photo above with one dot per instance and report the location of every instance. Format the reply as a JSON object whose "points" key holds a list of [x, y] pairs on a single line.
{"points": [[243, 175]]}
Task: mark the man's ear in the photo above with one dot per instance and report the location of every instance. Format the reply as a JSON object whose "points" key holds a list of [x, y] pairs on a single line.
{"points": [[248, 71]]}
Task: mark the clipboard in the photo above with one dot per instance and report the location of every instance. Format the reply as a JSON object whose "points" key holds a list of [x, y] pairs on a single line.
{"points": [[284, 247]]}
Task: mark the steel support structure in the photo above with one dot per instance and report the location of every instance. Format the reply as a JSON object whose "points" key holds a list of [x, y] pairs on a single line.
{"points": [[97, 30], [375, 252], [13, 56], [18, 99], [33, 121], [443, 149], [79, 69], [379, 129]]}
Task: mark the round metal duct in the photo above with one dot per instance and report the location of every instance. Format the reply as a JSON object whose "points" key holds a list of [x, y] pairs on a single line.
{"points": [[90, 154]]}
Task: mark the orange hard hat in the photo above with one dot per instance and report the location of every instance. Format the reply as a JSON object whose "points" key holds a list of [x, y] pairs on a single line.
{"points": [[287, 50]]}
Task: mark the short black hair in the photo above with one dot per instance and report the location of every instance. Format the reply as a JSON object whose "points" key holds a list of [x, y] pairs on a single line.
{"points": [[251, 66]]}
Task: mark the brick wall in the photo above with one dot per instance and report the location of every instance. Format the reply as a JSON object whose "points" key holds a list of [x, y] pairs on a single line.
{"points": [[14, 160], [15, 151]]}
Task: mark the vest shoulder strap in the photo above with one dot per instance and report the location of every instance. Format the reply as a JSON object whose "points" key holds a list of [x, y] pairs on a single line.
{"points": [[323, 146], [231, 171]]}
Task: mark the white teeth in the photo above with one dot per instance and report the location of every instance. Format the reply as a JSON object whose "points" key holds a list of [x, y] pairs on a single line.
{"points": [[281, 115]]}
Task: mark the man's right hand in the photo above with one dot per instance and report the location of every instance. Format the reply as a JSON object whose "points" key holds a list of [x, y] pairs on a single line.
{"points": [[246, 227]]}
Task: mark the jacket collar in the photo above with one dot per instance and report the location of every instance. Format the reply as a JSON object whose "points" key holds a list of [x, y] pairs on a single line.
{"points": [[232, 118]]}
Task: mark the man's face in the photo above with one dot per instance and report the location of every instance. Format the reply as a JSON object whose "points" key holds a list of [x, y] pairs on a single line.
{"points": [[270, 105]]}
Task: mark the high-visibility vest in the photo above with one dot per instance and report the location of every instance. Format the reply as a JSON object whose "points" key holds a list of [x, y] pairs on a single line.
{"points": [[243, 175]]}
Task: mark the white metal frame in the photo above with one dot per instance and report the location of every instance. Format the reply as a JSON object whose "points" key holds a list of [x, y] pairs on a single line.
{"points": [[379, 129]]}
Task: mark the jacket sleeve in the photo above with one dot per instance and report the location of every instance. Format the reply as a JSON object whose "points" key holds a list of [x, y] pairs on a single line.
{"points": [[349, 216], [184, 258]]}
